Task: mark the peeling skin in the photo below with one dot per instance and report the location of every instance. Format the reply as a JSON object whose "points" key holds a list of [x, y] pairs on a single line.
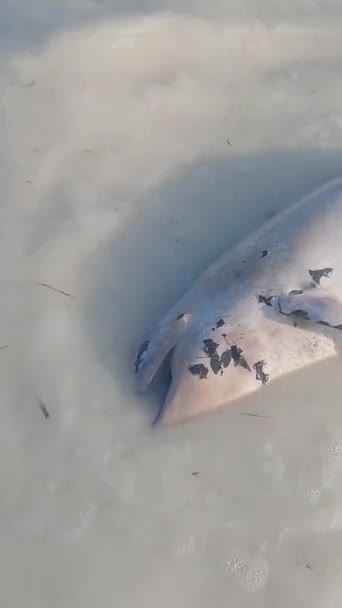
{"points": [[143, 348], [318, 274], [328, 325], [226, 358], [260, 374], [265, 300], [238, 359], [300, 314], [210, 347], [199, 370], [215, 364]]}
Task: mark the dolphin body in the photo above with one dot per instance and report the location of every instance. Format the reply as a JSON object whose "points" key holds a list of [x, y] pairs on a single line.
{"points": [[267, 307]]}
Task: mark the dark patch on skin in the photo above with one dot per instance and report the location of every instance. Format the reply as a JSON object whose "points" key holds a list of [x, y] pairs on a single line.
{"points": [[318, 274], [238, 359], [309, 567], [226, 358], [224, 335], [300, 314], [264, 253], [259, 371], [219, 323], [329, 325], [143, 348], [194, 473], [265, 300], [180, 316], [215, 364], [295, 292], [244, 364], [210, 347], [199, 370]]}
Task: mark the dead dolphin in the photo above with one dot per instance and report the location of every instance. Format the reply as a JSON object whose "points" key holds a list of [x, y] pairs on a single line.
{"points": [[267, 307]]}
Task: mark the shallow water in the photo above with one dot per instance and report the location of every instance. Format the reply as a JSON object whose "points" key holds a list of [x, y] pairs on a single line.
{"points": [[135, 148]]}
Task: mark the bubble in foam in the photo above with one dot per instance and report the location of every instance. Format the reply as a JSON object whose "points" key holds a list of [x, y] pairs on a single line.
{"points": [[87, 516], [334, 452], [248, 575], [186, 548], [313, 495]]}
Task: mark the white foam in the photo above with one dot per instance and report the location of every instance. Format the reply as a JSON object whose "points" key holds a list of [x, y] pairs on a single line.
{"points": [[249, 575]]}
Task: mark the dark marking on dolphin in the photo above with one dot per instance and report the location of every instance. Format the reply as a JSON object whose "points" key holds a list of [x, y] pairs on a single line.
{"points": [[302, 314], [219, 323], [265, 300], [210, 347], [180, 316], [318, 274], [215, 364], [260, 374], [238, 359], [264, 253], [226, 358], [298, 313], [143, 348], [199, 370], [295, 292], [329, 325]]}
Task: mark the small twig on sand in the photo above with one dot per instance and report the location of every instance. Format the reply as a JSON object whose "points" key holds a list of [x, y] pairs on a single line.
{"points": [[64, 293], [43, 408], [254, 415]]}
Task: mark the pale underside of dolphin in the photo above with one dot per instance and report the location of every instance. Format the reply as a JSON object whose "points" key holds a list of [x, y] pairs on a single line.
{"points": [[267, 307]]}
